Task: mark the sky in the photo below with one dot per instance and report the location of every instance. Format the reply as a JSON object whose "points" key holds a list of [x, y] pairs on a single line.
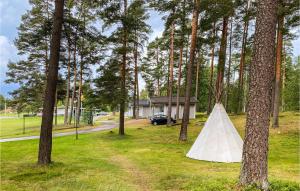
{"points": [[10, 17]]}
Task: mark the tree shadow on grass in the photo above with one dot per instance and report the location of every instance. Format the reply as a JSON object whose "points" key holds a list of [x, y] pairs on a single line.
{"points": [[34, 172]]}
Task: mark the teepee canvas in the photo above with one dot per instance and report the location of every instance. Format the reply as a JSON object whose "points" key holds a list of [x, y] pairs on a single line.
{"points": [[218, 141]]}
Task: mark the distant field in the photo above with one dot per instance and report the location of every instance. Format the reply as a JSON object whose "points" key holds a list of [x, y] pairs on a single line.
{"points": [[12, 126], [147, 158]]}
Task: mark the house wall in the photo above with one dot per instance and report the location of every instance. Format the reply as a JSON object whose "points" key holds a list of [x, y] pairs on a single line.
{"points": [[181, 108], [144, 112], [147, 112]]}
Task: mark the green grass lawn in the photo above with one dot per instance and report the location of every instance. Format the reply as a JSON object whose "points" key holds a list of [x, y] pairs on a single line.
{"points": [[147, 158], [13, 127]]}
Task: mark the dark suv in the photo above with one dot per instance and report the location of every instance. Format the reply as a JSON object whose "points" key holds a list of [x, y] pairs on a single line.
{"points": [[160, 120]]}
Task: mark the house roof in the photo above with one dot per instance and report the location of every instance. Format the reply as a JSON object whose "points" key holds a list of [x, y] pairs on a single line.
{"points": [[142, 102], [164, 100]]}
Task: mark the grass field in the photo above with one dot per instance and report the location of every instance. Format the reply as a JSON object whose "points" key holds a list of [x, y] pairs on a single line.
{"points": [[147, 158], [12, 126]]}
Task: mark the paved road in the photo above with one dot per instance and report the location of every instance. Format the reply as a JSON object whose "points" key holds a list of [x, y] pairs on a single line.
{"points": [[106, 126]]}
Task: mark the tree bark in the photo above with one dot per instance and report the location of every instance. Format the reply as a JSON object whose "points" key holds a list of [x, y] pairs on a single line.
{"points": [[283, 79], [179, 81], [123, 76], [229, 67], [254, 168], [242, 63], [183, 27], [158, 65], [135, 101], [278, 72], [170, 88], [222, 60], [75, 81], [81, 72], [55, 111], [78, 107], [137, 97], [211, 71], [68, 87], [186, 112], [197, 76], [45, 144]]}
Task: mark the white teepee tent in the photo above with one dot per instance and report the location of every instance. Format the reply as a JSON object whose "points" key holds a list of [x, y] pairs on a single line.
{"points": [[218, 141]]}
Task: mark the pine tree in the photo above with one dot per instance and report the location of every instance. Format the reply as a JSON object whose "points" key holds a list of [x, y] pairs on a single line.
{"points": [[255, 152], [287, 9], [185, 119], [45, 145]]}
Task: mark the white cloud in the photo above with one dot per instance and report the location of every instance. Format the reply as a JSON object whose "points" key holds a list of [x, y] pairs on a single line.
{"points": [[7, 52]]}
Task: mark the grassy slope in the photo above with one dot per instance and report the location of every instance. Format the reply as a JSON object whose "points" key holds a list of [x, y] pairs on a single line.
{"points": [[147, 158]]}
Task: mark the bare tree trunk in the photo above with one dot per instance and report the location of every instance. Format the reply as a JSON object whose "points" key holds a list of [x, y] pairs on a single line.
{"points": [[47, 43], [242, 63], [179, 81], [229, 67], [79, 104], [78, 107], [197, 75], [123, 77], [171, 67], [158, 65], [283, 79], [55, 119], [186, 112], [278, 72], [135, 101], [45, 144], [222, 60], [74, 83], [137, 97], [68, 87], [211, 71], [254, 169], [183, 27]]}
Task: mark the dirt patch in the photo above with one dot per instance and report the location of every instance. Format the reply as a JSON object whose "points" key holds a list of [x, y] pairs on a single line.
{"points": [[137, 123]]}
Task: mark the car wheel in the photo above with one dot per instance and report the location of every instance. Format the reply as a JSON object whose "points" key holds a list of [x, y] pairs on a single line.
{"points": [[155, 123]]}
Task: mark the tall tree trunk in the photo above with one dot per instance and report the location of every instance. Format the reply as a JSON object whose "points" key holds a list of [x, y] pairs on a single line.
{"points": [[74, 83], [137, 97], [78, 107], [183, 27], [158, 65], [283, 79], [211, 71], [254, 168], [222, 60], [170, 88], [55, 119], [242, 63], [68, 87], [79, 104], [135, 101], [186, 112], [197, 75], [278, 72], [179, 81], [123, 76], [45, 144], [47, 37], [229, 67]]}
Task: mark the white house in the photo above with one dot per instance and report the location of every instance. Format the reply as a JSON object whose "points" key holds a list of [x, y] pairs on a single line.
{"points": [[154, 105]]}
